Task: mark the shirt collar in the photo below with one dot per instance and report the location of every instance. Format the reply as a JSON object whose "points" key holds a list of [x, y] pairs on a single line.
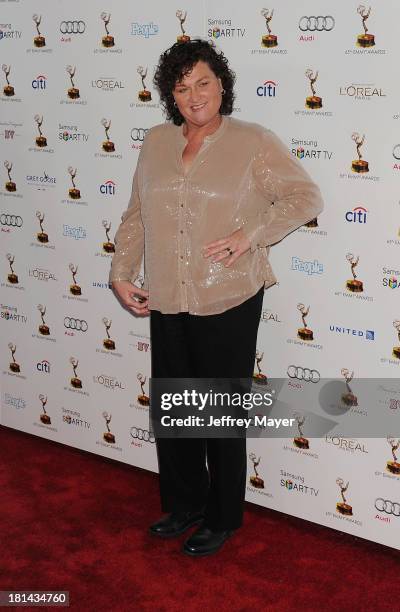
{"points": [[211, 137]]}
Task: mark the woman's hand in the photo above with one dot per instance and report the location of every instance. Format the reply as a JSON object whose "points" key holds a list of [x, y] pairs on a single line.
{"points": [[126, 292], [237, 242]]}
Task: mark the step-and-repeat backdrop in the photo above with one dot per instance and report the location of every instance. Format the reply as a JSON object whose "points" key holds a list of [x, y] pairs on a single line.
{"points": [[76, 100]]}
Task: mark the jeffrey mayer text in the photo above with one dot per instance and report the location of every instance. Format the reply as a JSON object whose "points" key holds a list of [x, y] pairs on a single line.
{"points": [[225, 421]]}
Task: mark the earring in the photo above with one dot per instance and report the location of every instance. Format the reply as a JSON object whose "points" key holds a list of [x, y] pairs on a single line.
{"points": [[222, 92]]}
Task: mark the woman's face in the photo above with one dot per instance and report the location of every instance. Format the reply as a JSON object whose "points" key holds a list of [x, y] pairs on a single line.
{"points": [[198, 96]]}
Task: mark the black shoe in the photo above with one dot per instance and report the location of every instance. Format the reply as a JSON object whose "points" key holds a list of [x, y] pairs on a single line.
{"points": [[176, 523], [205, 542]]}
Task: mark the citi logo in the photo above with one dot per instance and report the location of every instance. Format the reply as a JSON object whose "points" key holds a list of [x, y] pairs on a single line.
{"points": [[267, 90], [43, 366], [40, 82], [309, 267], [108, 188], [368, 334], [357, 215]]}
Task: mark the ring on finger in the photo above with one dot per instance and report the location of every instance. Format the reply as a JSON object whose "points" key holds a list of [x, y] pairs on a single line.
{"points": [[229, 250]]}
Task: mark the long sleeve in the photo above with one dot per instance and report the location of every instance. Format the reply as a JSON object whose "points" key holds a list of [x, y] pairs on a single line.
{"points": [[292, 198], [129, 238]]}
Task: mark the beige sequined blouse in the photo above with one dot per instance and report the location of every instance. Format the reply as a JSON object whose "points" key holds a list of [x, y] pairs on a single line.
{"points": [[243, 176]]}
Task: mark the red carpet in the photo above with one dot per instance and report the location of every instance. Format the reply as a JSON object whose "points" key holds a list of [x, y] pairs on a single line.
{"points": [[75, 521]]}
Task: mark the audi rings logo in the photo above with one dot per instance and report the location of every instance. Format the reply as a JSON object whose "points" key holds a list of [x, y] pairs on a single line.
{"points": [[142, 434], [138, 134], [75, 324], [387, 506], [11, 220], [303, 374], [72, 27], [396, 151], [317, 24]]}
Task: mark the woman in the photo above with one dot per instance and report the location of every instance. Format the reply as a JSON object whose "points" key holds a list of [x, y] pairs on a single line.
{"points": [[210, 194]]}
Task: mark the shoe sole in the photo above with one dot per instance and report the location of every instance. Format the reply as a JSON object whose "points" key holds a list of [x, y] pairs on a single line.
{"points": [[167, 536], [205, 554]]}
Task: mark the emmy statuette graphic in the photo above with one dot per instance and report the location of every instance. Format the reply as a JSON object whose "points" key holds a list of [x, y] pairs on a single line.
{"points": [[75, 381], [396, 349], [313, 101], [354, 285], [44, 417], [255, 480], [144, 94], [349, 399], [10, 185], [43, 328], [343, 507], [108, 436], [73, 92], [8, 89], [41, 236], [108, 246], [41, 141], [74, 288], [107, 145], [143, 399], [73, 192], [365, 40], [14, 366], [304, 332], [268, 40], [300, 441], [39, 40], [393, 466], [12, 277], [359, 165], [107, 342], [182, 18], [259, 377], [107, 40]]}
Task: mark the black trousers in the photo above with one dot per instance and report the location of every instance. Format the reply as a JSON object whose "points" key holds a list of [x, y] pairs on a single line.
{"points": [[187, 346]]}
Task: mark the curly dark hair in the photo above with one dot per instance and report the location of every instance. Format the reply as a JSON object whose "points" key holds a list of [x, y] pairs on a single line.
{"points": [[178, 60]]}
